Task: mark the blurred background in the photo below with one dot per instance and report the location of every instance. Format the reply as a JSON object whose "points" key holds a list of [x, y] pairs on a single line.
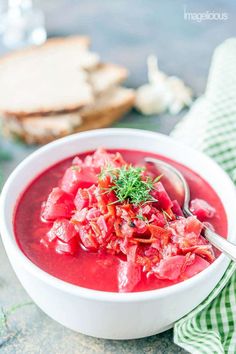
{"points": [[124, 32]]}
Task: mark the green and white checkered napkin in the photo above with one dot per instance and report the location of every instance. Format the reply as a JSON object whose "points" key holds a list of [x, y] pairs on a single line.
{"points": [[210, 126]]}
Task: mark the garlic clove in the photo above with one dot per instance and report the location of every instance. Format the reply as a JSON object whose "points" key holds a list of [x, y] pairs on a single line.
{"points": [[152, 99]]}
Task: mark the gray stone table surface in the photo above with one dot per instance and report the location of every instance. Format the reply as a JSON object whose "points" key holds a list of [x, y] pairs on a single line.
{"points": [[124, 32]]}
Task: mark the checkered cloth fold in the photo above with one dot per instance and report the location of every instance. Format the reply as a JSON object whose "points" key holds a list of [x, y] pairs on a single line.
{"points": [[210, 126]]}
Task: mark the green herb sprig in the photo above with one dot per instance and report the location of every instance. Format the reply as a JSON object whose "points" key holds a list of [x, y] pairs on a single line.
{"points": [[130, 184]]}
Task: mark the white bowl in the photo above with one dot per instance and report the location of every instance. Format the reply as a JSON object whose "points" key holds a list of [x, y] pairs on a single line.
{"points": [[104, 314]]}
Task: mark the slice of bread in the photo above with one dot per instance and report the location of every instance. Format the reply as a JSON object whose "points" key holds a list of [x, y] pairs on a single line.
{"points": [[105, 76], [52, 77], [94, 82], [108, 102], [41, 129]]}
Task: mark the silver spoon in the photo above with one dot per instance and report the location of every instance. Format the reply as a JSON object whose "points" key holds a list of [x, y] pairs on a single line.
{"points": [[177, 180]]}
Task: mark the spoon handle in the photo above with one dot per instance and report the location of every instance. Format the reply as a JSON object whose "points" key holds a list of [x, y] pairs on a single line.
{"points": [[226, 247]]}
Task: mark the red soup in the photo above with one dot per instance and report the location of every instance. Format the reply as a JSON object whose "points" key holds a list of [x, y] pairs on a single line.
{"points": [[103, 220]]}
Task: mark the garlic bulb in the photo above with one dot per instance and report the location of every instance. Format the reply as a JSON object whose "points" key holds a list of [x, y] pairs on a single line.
{"points": [[162, 93], [151, 99]]}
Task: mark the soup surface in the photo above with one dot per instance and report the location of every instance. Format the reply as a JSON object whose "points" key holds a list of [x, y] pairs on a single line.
{"points": [[138, 243]]}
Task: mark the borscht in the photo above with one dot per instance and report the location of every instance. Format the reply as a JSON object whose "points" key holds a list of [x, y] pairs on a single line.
{"points": [[103, 220]]}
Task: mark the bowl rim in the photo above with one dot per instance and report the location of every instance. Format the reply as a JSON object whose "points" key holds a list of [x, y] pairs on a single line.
{"points": [[10, 242]]}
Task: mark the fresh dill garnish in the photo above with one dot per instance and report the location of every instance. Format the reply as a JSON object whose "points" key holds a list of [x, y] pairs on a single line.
{"points": [[130, 184]]}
